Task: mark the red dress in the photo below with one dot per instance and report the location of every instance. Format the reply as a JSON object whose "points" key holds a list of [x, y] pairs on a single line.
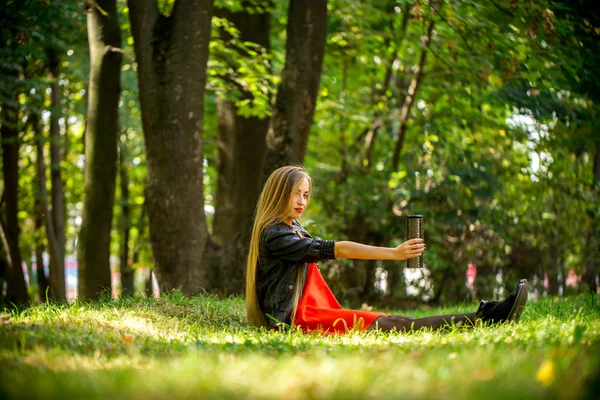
{"points": [[318, 309]]}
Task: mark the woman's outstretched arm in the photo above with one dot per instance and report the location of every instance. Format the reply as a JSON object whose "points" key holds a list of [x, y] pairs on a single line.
{"points": [[409, 249]]}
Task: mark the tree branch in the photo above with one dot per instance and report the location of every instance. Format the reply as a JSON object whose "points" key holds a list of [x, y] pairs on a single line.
{"points": [[370, 141], [502, 9], [412, 91], [437, 11], [119, 50]]}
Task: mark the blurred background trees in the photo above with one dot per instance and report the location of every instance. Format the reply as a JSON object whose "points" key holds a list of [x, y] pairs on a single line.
{"points": [[480, 115]]}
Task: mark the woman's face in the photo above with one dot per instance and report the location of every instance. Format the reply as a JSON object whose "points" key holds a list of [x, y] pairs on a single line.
{"points": [[298, 201]]}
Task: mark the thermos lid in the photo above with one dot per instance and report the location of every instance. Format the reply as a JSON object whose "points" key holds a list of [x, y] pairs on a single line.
{"points": [[415, 216]]}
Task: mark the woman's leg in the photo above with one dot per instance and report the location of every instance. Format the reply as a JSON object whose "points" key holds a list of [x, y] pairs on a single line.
{"points": [[509, 309], [405, 324]]}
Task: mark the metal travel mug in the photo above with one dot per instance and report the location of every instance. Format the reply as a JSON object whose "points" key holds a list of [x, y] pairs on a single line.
{"points": [[414, 229]]}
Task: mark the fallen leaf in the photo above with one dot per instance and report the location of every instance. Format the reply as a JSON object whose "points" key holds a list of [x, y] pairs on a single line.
{"points": [[127, 339], [546, 373]]}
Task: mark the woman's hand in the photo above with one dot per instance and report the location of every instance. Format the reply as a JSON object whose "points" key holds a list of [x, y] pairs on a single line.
{"points": [[410, 249]]}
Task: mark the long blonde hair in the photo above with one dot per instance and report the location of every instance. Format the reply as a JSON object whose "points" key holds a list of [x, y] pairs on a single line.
{"points": [[273, 205]]}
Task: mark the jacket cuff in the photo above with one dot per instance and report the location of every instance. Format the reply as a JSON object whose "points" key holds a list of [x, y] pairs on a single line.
{"points": [[327, 250]]}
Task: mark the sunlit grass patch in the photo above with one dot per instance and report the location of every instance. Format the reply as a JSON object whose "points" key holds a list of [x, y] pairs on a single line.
{"points": [[180, 347]]}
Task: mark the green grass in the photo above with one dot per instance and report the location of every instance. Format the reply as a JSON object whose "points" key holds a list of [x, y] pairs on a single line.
{"points": [[200, 347]]}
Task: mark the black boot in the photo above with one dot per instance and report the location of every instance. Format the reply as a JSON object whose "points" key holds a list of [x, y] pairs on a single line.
{"points": [[508, 310]]}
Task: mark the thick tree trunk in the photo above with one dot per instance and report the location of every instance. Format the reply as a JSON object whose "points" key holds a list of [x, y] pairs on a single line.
{"points": [[172, 55], [104, 33], [125, 268], [297, 95], [9, 222], [57, 270], [241, 145]]}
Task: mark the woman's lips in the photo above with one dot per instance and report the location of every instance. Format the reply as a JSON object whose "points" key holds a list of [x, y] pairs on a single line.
{"points": [[299, 210]]}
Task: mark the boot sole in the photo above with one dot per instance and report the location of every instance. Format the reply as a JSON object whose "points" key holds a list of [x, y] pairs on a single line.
{"points": [[519, 305]]}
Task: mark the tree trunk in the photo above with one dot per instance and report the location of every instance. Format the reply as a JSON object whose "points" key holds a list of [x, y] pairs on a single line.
{"points": [[241, 145], [43, 200], [397, 42], [297, 95], [553, 266], [412, 93], [148, 290], [141, 226], [104, 33], [9, 223], [590, 270], [42, 279], [57, 270], [125, 268], [172, 53], [3, 268], [370, 142]]}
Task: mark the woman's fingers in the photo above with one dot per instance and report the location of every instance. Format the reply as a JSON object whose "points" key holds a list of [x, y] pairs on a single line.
{"points": [[416, 250], [412, 248]]}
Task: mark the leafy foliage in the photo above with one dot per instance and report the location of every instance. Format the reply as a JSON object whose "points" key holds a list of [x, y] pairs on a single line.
{"points": [[494, 123]]}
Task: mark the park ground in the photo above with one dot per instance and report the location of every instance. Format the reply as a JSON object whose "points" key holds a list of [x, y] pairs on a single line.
{"points": [[179, 347]]}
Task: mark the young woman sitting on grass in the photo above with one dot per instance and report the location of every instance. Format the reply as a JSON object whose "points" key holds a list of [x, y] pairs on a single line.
{"points": [[284, 285]]}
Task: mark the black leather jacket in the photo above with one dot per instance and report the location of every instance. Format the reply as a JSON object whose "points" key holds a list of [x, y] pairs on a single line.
{"points": [[284, 252]]}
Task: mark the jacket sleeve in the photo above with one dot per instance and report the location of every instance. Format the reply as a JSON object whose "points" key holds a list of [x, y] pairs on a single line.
{"points": [[288, 246]]}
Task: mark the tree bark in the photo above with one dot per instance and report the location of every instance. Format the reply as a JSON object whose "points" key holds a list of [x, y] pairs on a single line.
{"points": [[125, 268], [241, 143], [172, 53], [141, 227], [57, 270], [3, 268], [9, 223], [148, 290], [412, 93], [42, 279], [43, 199], [297, 95], [370, 142], [104, 34], [553, 266], [590, 270]]}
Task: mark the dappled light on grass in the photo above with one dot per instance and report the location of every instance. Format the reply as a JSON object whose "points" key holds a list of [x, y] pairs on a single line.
{"points": [[178, 347]]}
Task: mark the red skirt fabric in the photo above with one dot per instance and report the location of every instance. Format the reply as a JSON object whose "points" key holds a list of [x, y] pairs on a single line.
{"points": [[319, 311]]}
